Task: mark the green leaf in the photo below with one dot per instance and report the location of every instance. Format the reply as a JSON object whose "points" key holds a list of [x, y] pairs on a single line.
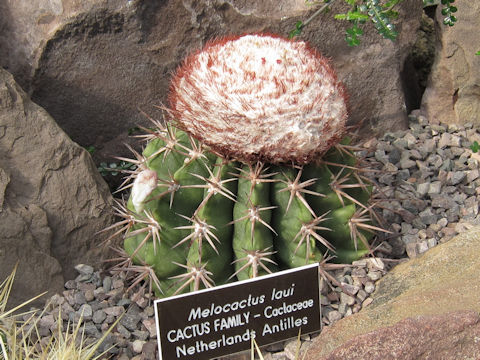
{"points": [[392, 14], [297, 31], [352, 35], [450, 20], [293, 33], [352, 16], [475, 146], [478, 52], [448, 12], [380, 20], [391, 3]]}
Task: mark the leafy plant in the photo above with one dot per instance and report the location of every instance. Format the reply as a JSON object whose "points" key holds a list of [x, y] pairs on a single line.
{"points": [[448, 11], [115, 168], [353, 34], [379, 13], [91, 149]]}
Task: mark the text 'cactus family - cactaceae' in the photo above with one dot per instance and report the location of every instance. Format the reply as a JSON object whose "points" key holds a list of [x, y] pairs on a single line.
{"points": [[249, 176]]}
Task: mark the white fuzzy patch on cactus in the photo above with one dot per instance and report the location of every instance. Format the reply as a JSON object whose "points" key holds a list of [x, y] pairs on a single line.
{"points": [[260, 97], [144, 184]]}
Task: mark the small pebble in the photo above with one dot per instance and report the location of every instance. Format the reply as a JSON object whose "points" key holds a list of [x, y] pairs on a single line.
{"points": [[346, 299], [362, 295], [137, 346], [369, 287], [374, 275], [333, 316], [99, 316], [83, 269]]}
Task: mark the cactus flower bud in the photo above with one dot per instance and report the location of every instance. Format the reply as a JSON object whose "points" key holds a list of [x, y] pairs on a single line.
{"points": [[260, 97]]}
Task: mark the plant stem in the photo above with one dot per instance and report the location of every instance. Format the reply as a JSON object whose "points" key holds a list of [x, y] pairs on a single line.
{"points": [[317, 12]]}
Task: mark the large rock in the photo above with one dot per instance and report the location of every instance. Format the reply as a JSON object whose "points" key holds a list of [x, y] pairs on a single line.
{"points": [[453, 91], [453, 335], [93, 64], [52, 199], [431, 302]]}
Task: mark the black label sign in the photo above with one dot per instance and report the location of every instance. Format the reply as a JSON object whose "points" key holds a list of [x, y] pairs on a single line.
{"points": [[223, 320]]}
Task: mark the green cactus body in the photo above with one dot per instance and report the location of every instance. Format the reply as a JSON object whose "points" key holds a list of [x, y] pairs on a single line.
{"points": [[209, 220], [346, 250], [252, 213], [294, 245], [217, 214]]}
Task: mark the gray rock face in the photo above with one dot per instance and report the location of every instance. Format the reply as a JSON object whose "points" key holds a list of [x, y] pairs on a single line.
{"points": [[93, 64], [52, 199], [26, 238], [452, 94]]}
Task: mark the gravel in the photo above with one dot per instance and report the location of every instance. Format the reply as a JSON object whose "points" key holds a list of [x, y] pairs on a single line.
{"points": [[431, 179], [431, 176]]}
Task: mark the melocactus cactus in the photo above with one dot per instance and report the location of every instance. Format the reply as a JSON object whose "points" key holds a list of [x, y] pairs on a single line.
{"points": [[206, 208], [259, 97]]}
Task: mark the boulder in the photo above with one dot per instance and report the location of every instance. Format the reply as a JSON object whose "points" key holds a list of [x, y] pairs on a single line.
{"points": [[94, 64], [447, 336], [52, 198], [453, 91], [422, 309], [26, 239]]}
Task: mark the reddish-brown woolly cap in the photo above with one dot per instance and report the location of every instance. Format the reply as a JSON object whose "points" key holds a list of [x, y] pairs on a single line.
{"points": [[260, 97]]}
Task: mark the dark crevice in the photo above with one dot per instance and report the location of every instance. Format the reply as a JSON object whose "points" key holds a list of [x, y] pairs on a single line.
{"points": [[418, 64], [430, 11], [455, 98]]}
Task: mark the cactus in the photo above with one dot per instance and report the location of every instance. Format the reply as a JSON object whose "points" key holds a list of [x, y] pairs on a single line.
{"points": [[249, 176]]}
